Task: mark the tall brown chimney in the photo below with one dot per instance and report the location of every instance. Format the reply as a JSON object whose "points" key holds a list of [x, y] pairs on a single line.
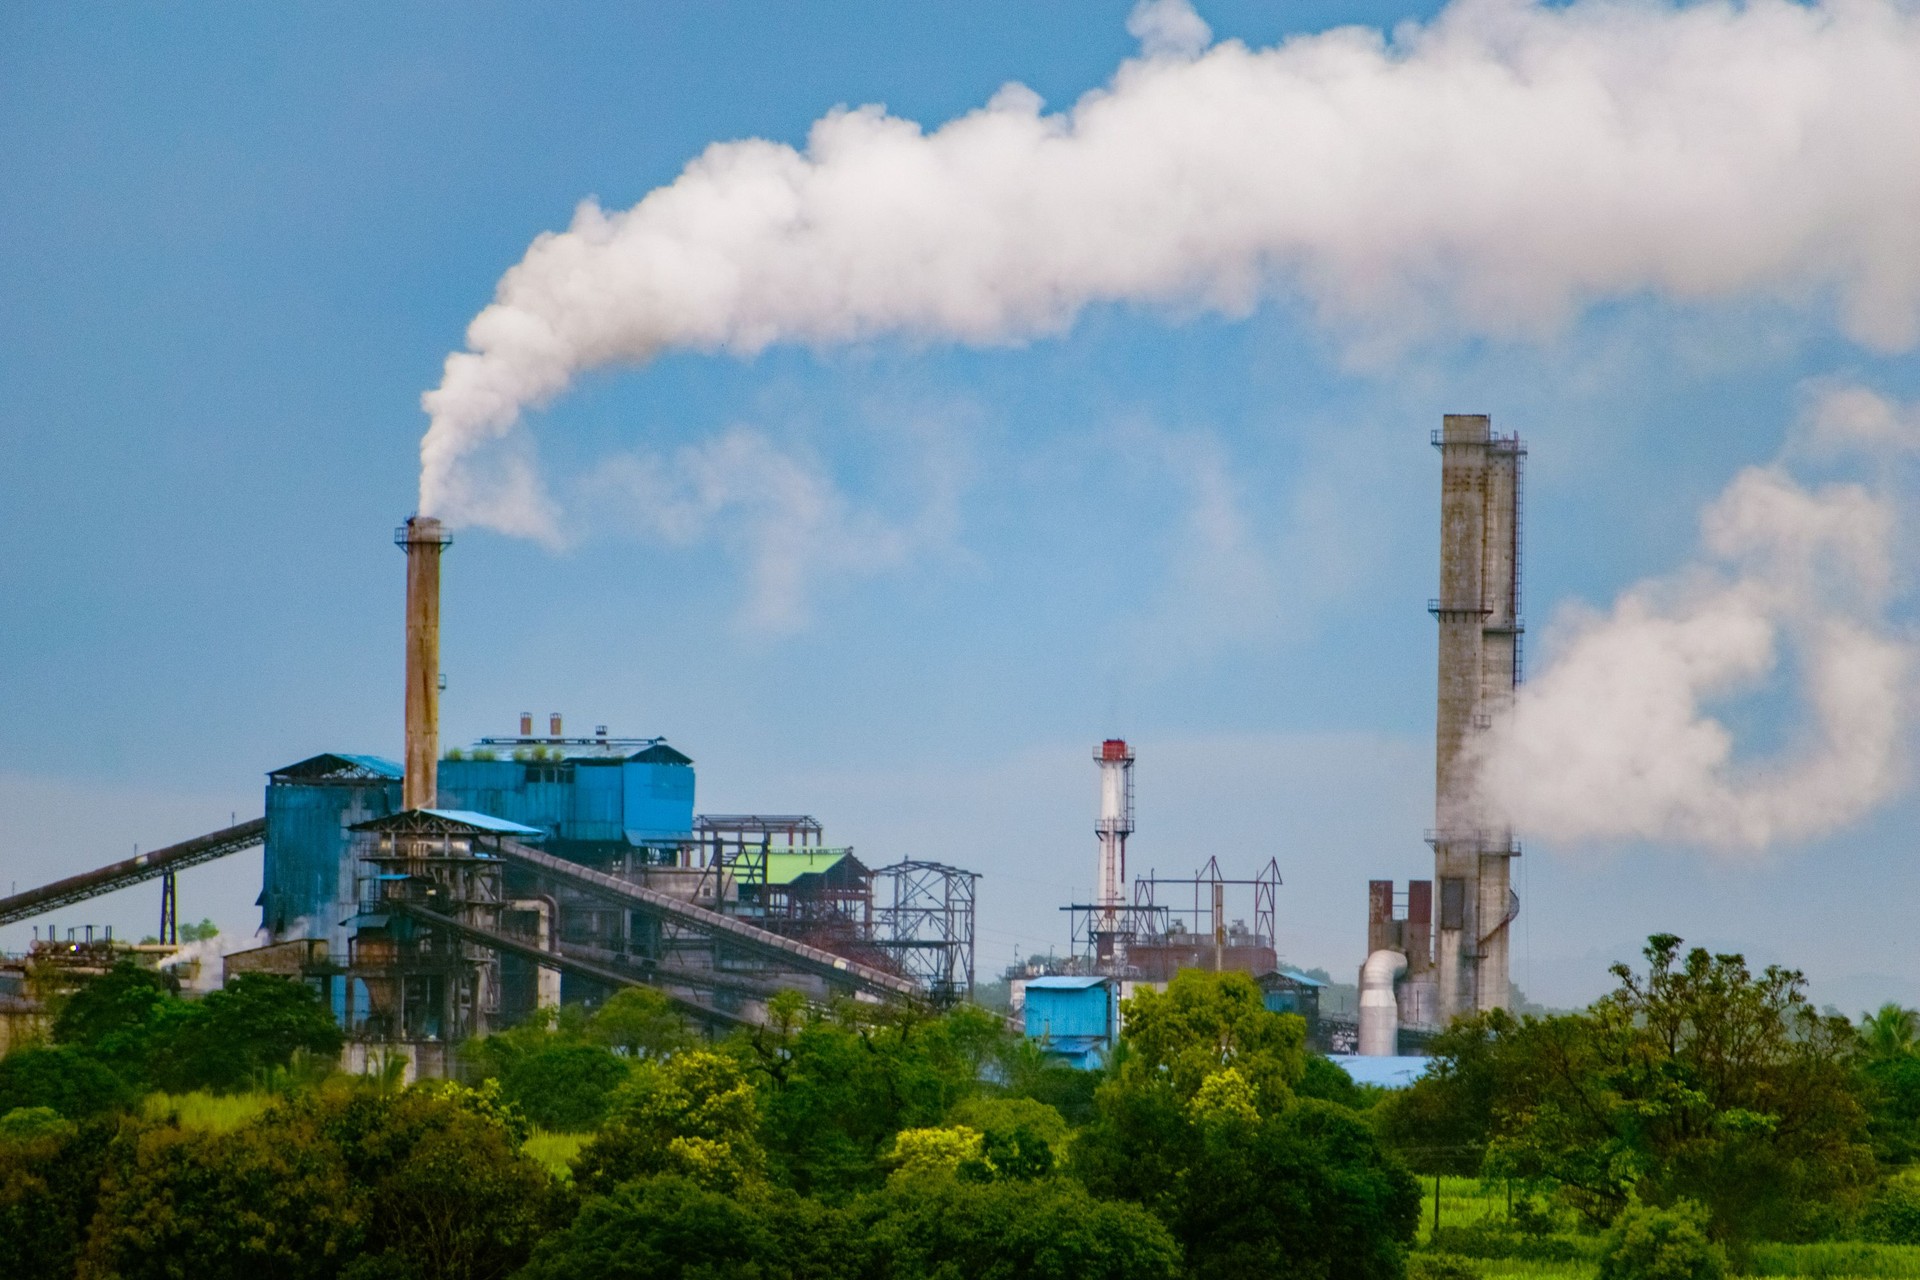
{"points": [[423, 540]]}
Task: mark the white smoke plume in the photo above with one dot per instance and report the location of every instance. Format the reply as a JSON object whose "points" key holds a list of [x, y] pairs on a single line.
{"points": [[1617, 739], [198, 964], [1492, 171]]}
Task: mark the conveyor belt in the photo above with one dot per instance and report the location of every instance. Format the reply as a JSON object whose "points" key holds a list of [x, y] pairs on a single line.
{"points": [[145, 866], [651, 972], [552, 960], [837, 970]]}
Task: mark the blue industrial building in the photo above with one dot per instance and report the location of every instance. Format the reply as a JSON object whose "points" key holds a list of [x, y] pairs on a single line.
{"points": [[602, 802], [1074, 1019]]}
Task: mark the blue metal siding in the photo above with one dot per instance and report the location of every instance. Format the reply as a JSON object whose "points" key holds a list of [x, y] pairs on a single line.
{"points": [[486, 786], [659, 801], [597, 802], [307, 878], [576, 800], [1070, 1014]]}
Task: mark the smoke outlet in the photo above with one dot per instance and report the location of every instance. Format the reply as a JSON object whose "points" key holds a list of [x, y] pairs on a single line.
{"points": [[526, 724], [553, 725]]}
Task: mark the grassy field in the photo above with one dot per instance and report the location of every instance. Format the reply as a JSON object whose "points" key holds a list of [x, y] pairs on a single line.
{"points": [[1464, 1201], [214, 1112]]}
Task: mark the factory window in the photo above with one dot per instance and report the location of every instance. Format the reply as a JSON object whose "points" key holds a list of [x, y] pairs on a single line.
{"points": [[1453, 903], [549, 773]]}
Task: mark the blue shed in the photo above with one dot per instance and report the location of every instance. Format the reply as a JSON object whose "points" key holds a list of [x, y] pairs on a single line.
{"points": [[1072, 1018], [307, 872], [1290, 991]]}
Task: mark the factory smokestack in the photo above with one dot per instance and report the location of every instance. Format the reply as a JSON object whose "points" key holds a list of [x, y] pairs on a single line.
{"points": [[1116, 824], [423, 540], [1478, 610]]}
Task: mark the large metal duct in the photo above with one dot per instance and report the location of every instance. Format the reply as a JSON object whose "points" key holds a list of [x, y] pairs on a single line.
{"points": [[423, 540], [1379, 1007]]}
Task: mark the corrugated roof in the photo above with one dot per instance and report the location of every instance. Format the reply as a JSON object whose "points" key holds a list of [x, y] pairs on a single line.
{"points": [[335, 764], [1294, 975], [784, 866], [484, 821], [462, 819], [1064, 984]]}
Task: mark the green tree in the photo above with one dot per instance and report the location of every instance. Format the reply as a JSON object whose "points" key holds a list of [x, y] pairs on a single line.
{"points": [[122, 1018], [1648, 1243], [694, 1114], [1889, 1031], [1444, 1122], [640, 1022], [1029, 1072], [1201, 1125], [836, 1085], [1889, 1071], [124, 998], [554, 1067], [1051, 1229], [1020, 1138], [449, 1194], [672, 1228], [63, 1078], [236, 1035], [259, 1201], [1698, 1080], [564, 1087], [50, 1172], [1893, 1215], [1204, 1022], [1329, 1082]]}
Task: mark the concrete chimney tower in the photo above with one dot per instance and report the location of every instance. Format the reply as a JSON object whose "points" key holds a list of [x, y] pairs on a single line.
{"points": [[1115, 825], [423, 540], [1478, 610]]}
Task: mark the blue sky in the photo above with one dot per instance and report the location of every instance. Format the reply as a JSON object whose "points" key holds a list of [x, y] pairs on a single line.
{"points": [[241, 241]]}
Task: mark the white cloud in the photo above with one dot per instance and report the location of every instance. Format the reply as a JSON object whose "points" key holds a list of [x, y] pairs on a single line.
{"points": [[1168, 28], [780, 511]]}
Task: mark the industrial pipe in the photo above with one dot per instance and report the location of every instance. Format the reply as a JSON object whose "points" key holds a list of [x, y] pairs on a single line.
{"points": [[1379, 1007]]}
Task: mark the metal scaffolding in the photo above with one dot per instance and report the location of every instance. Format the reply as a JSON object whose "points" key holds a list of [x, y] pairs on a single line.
{"points": [[1164, 929], [923, 920]]}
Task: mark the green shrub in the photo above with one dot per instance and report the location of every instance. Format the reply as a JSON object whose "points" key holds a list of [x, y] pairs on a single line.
{"points": [[1493, 1238], [1648, 1243], [564, 1087], [1440, 1266], [1894, 1215], [63, 1078]]}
